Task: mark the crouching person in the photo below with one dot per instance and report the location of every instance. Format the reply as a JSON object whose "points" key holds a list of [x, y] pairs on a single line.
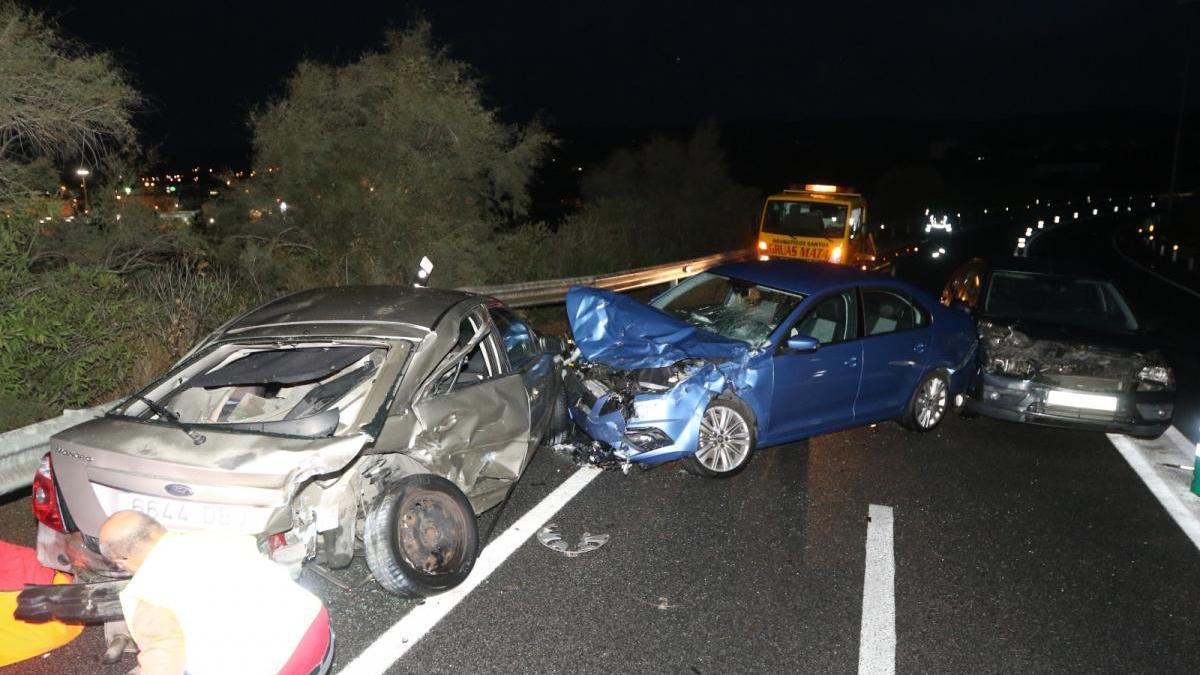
{"points": [[209, 602]]}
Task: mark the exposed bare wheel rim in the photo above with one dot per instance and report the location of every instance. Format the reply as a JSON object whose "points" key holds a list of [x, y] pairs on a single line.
{"points": [[430, 531], [930, 405], [724, 439]]}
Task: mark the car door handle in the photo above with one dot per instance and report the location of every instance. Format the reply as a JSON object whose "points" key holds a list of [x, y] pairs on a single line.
{"points": [[852, 361], [919, 348]]}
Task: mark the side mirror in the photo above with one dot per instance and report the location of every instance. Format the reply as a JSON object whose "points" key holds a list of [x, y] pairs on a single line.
{"points": [[803, 344]]}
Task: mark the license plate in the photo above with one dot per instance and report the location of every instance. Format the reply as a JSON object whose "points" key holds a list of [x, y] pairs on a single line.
{"points": [[1077, 399], [178, 514]]}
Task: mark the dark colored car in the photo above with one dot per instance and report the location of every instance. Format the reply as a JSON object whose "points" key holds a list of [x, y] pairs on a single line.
{"points": [[755, 354], [1062, 349], [382, 414]]}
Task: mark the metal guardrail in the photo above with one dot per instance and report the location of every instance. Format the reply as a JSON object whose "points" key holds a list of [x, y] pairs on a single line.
{"points": [[21, 449], [551, 291]]}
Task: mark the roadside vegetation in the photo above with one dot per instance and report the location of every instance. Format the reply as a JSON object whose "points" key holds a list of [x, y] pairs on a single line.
{"points": [[360, 170]]}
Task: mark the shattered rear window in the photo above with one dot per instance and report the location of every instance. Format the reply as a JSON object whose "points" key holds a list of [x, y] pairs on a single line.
{"points": [[315, 390], [731, 308], [1090, 303]]}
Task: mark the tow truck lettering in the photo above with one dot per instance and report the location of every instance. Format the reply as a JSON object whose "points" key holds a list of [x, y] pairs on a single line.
{"points": [[805, 250]]}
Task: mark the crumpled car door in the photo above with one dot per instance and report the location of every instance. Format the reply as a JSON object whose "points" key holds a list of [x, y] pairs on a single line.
{"points": [[477, 436]]}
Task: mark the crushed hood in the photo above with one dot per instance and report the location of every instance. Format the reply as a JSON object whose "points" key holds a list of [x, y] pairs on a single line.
{"points": [[1032, 351], [617, 331]]}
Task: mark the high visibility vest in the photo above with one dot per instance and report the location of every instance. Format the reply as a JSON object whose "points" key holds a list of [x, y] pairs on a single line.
{"points": [[239, 612]]}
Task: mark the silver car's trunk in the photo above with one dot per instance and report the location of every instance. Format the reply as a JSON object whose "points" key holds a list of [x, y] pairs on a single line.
{"points": [[235, 480]]}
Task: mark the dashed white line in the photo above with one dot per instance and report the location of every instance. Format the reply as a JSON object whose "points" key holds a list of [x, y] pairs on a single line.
{"points": [[395, 642], [877, 644]]}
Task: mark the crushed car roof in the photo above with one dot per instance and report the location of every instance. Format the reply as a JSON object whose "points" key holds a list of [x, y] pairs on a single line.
{"points": [[394, 310]]}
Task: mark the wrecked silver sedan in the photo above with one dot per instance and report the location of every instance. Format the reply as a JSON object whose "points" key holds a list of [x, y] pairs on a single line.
{"points": [[394, 415], [1063, 350]]}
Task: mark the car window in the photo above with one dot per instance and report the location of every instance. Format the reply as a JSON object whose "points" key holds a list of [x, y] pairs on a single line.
{"points": [[964, 285], [730, 307], [834, 319], [804, 219], [475, 366], [1091, 303], [891, 311], [517, 337], [302, 390]]}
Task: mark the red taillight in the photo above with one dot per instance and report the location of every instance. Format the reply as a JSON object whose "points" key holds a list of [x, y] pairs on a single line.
{"points": [[45, 497]]}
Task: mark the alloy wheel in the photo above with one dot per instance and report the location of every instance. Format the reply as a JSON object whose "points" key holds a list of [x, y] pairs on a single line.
{"points": [[931, 403], [724, 439]]}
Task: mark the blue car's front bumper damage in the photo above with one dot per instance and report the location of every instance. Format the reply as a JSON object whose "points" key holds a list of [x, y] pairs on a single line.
{"points": [[649, 428], [622, 343]]}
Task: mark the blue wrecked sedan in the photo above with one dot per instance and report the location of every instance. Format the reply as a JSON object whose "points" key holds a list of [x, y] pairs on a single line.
{"points": [[755, 354]]}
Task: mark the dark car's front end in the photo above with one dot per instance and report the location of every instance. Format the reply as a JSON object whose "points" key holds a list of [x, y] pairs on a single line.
{"points": [[1067, 352]]}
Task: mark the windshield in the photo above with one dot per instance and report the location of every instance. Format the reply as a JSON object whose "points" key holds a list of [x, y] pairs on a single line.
{"points": [[1089, 303], [312, 390], [805, 219], [731, 308]]}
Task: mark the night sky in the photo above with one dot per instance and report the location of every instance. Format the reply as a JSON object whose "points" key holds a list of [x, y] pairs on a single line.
{"points": [[609, 64]]}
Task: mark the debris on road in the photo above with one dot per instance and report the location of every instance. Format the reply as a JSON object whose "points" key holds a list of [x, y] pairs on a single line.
{"points": [[593, 454], [551, 539], [324, 573]]}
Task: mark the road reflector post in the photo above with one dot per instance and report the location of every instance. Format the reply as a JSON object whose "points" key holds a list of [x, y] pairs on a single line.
{"points": [[1196, 473]]}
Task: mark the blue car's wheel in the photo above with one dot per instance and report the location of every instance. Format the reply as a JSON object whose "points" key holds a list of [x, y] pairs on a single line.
{"points": [[726, 440], [929, 402]]}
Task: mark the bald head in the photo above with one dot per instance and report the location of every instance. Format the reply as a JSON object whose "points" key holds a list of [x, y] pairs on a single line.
{"points": [[127, 537]]}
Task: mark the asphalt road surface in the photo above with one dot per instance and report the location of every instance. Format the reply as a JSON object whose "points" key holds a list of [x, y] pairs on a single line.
{"points": [[1016, 549], [1012, 548]]}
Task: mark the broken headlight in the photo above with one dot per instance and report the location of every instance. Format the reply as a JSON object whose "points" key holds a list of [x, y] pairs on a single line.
{"points": [[1155, 378], [1013, 366], [646, 439]]}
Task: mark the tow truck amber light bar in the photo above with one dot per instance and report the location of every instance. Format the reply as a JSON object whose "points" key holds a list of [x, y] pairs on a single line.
{"points": [[818, 187]]}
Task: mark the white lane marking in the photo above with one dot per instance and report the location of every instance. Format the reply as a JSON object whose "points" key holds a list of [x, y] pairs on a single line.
{"points": [[877, 644], [1184, 517], [1180, 440], [395, 642], [1149, 271]]}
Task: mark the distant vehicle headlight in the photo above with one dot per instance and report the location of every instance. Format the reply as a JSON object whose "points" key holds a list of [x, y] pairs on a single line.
{"points": [[1155, 378]]}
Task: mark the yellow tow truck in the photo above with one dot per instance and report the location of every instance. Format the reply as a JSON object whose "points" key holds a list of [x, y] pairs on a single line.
{"points": [[817, 222]]}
